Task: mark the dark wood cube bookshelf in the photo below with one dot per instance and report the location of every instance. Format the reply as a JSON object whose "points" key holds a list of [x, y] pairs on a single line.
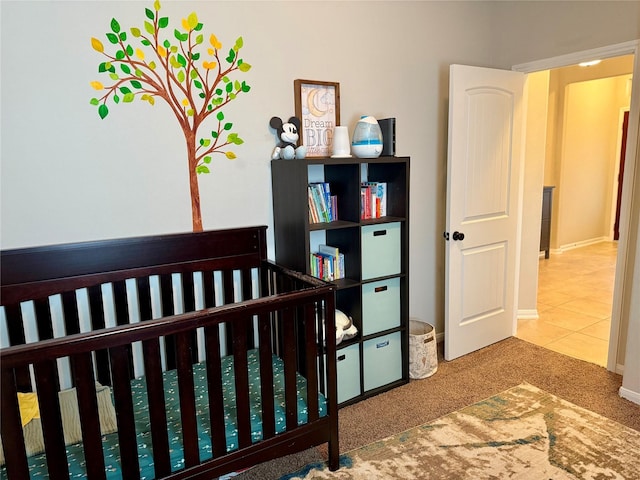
{"points": [[382, 356]]}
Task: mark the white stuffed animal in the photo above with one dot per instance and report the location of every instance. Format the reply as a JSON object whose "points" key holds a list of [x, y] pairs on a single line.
{"points": [[345, 329]]}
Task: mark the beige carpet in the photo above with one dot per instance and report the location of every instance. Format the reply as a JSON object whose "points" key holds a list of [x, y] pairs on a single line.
{"points": [[463, 382], [521, 433]]}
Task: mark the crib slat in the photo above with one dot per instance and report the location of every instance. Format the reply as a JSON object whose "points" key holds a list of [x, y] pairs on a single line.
{"points": [[289, 357], [266, 377], [15, 331], [247, 294], [228, 297], [70, 309], [47, 387], [120, 366], [43, 318], [11, 427], [122, 314], [89, 418], [209, 289], [166, 299], [311, 352], [157, 408], [187, 400], [240, 370], [155, 388], [214, 387], [189, 302], [144, 298], [96, 311]]}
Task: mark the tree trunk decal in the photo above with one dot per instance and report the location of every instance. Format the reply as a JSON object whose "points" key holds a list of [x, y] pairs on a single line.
{"points": [[166, 69]]}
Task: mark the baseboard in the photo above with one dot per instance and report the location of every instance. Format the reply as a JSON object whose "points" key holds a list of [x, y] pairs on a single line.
{"points": [[439, 337], [582, 243], [630, 395], [528, 314]]}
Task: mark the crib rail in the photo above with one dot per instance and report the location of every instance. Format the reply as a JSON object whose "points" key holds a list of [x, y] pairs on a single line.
{"points": [[258, 304]]}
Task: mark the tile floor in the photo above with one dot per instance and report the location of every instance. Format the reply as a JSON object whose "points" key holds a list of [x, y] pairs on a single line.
{"points": [[575, 291]]}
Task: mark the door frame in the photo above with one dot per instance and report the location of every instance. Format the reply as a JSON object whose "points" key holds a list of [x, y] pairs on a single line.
{"points": [[626, 249]]}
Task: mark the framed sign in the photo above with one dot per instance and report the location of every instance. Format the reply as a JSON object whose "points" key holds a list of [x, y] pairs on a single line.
{"points": [[317, 105]]}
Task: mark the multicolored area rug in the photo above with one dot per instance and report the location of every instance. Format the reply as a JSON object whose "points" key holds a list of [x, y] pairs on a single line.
{"points": [[522, 433]]}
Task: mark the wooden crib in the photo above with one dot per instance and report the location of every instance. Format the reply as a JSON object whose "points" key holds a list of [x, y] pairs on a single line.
{"points": [[214, 357]]}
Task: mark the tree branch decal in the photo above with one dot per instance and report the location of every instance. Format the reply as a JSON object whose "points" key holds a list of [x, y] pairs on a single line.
{"points": [[196, 85]]}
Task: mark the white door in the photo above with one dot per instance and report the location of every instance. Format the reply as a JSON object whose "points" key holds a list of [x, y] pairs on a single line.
{"points": [[483, 202]]}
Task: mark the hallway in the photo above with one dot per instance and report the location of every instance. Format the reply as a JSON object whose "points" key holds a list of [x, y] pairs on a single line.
{"points": [[575, 292]]}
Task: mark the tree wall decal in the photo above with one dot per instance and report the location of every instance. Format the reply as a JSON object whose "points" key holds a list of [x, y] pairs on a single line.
{"points": [[166, 69]]}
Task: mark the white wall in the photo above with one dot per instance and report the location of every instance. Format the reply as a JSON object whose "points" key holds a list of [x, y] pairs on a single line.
{"points": [[67, 176]]}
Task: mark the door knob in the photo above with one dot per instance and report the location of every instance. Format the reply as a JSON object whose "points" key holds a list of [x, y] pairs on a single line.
{"points": [[458, 236]]}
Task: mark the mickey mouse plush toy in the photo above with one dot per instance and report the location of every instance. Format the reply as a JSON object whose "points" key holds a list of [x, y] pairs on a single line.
{"points": [[288, 135]]}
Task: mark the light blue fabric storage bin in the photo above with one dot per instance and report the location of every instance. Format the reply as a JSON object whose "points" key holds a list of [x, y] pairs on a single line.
{"points": [[380, 250], [348, 372], [380, 305], [382, 358]]}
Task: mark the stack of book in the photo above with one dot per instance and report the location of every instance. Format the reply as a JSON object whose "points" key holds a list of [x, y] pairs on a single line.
{"points": [[373, 200], [327, 263], [323, 207]]}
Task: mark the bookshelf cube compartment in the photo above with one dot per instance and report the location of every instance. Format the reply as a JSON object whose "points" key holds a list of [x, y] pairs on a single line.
{"points": [[380, 305], [348, 365], [382, 357], [381, 250]]}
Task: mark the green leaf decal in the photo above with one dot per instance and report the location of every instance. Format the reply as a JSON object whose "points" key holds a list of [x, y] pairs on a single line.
{"points": [[202, 169], [129, 50], [227, 126], [214, 134], [197, 83], [125, 90], [94, 101], [114, 76], [220, 116], [115, 26], [239, 43], [103, 111], [149, 28], [180, 36], [150, 14], [116, 99], [207, 159], [128, 98], [193, 74], [195, 56], [113, 38], [120, 55], [123, 36], [102, 67], [198, 27], [245, 87], [181, 60], [199, 39], [244, 67], [229, 87], [231, 57], [125, 68], [163, 22], [135, 32], [180, 76], [136, 84], [145, 42]]}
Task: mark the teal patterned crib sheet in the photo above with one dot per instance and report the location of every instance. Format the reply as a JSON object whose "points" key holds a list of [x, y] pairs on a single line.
{"points": [[75, 454]]}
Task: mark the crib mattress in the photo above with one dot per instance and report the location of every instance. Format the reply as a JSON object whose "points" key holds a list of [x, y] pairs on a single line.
{"points": [[75, 454]]}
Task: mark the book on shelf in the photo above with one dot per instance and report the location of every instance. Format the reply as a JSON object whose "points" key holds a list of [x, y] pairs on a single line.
{"points": [[373, 200], [322, 205], [327, 263]]}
